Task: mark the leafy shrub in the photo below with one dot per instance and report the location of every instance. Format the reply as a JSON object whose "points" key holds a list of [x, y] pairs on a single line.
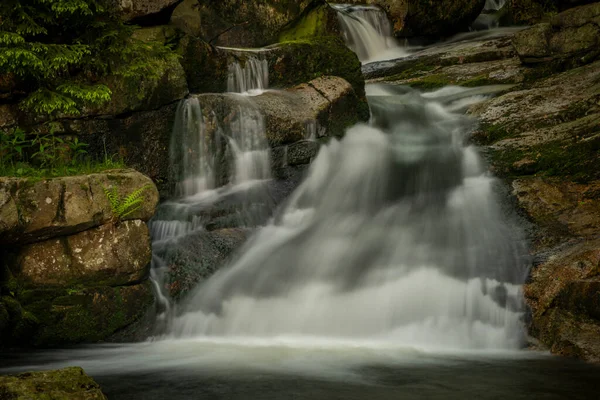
{"points": [[58, 50]]}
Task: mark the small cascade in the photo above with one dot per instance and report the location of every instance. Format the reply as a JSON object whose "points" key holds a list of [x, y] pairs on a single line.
{"points": [[494, 5], [192, 163], [490, 16], [250, 76], [368, 32]]}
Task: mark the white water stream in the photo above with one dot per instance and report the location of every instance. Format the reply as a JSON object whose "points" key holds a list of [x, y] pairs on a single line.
{"points": [[368, 32]]}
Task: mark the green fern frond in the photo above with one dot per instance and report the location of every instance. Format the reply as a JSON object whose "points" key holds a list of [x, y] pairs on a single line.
{"points": [[123, 207]]}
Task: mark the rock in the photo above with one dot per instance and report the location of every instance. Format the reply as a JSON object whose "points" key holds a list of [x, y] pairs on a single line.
{"points": [[564, 296], [64, 206], [530, 12], [65, 384], [198, 256], [429, 65], [295, 62], [206, 67], [318, 19], [561, 209], [554, 124], [186, 18], [129, 95], [428, 18], [110, 255], [134, 9], [330, 101], [82, 315], [572, 36], [237, 23]]}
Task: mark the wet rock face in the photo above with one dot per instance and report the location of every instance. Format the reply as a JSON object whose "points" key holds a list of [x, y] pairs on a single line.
{"points": [[572, 37], [65, 384]]}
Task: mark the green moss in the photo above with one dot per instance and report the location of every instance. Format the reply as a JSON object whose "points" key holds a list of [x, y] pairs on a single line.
{"points": [[303, 60], [68, 383], [315, 21], [81, 315]]}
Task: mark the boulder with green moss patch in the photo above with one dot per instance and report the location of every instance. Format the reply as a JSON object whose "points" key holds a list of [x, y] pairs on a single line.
{"points": [[236, 23], [36, 210], [80, 315], [571, 37], [65, 384]]}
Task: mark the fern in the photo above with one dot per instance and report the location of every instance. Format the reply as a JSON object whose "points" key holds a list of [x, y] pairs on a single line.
{"points": [[123, 207]]}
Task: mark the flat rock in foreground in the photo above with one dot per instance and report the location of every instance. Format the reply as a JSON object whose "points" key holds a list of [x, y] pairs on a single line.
{"points": [[65, 384]]}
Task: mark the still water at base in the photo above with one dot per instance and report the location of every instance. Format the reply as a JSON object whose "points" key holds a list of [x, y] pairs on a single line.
{"points": [[288, 368]]}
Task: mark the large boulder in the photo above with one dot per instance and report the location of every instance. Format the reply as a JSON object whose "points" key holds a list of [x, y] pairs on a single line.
{"points": [[138, 9], [236, 23], [530, 12], [111, 255], [47, 317], [33, 211], [572, 36], [65, 384]]}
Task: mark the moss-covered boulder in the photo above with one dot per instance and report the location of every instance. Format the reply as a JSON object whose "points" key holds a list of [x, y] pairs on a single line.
{"points": [[139, 9], [318, 19], [530, 12], [33, 210], [236, 23], [65, 384], [129, 95], [299, 61], [79, 315], [110, 255], [571, 37]]}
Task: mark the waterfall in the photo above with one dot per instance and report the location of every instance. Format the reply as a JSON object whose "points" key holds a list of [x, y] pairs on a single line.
{"points": [[494, 5], [368, 32], [212, 160], [395, 235], [252, 76]]}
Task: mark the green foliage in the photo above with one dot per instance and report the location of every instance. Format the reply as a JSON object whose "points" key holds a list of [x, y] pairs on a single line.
{"points": [[123, 207], [47, 155], [59, 50]]}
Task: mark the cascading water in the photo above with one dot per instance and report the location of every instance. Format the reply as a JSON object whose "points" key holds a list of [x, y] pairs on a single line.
{"points": [[368, 32], [394, 236], [210, 167], [494, 5], [490, 16], [250, 76]]}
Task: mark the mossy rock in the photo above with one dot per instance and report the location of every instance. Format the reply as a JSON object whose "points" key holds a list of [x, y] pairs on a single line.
{"points": [[317, 20], [65, 384], [80, 315], [300, 61]]}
